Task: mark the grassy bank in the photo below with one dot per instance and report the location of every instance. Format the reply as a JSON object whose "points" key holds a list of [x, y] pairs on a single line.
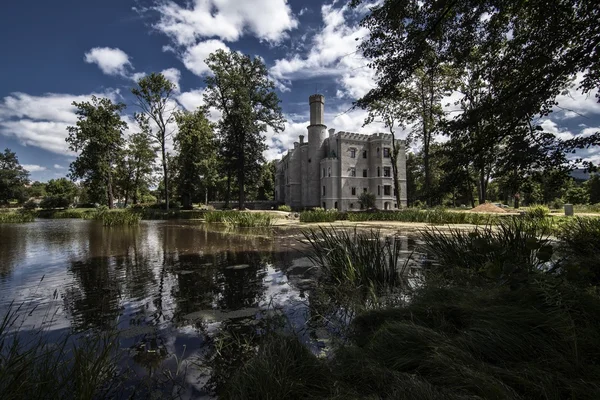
{"points": [[16, 217]]}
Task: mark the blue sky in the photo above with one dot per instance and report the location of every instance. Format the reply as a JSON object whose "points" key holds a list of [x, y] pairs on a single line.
{"points": [[56, 52]]}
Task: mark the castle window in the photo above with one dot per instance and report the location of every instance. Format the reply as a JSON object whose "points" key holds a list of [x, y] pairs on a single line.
{"points": [[329, 171], [353, 191], [378, 190], [352, 153], [364, 154], [351, 205], [352, 171], [365, 190], [323, 190], [365, 174], [378, 155], [387, 190], [386, 152], [387, 172], [323, 175], [378, 172]]}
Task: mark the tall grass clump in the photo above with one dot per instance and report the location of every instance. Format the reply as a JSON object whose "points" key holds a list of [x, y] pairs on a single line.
{"points": [[579, 247], [538, 211], [31, 367], [284, 207], [16, 217], [356, 258], [118, 218], [516, 247], [319, 215], [239, 219]]}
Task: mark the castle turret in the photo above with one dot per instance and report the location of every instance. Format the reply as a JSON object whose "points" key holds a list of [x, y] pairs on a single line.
{"points": [[317, 133]]}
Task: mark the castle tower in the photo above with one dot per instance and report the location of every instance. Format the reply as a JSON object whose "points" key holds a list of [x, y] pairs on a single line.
{"points": [[317, 133]]}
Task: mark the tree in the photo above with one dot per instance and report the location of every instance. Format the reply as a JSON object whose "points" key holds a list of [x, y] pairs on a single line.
{"points": [[196, 158], [530, 53], [154, 97], [98, 138], [266, 184], [13, 177], [37, 189], [62, 189], [366, 200], [239, 87], [135, 169], [593, 188]]}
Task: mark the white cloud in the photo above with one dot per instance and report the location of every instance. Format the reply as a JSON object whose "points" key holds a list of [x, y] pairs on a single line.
{"points": [[226, 19], [111, 61], [33, 167], [333, 53], [572, 103], [193, 58], [42, 121], [173, 75], [56, 166]]}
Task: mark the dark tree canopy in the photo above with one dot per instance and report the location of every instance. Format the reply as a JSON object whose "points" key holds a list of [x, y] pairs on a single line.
{"points": [[13, 177]]}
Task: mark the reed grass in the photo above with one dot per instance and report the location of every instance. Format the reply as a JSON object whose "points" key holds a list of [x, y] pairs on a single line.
{"points": [[580, 248], [435, 216], [118, 218], [16, 217], [320, 216], [356, 258], [239, 219]]}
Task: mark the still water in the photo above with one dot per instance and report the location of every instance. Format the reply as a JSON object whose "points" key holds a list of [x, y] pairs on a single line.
{"points": [[168, 287]]}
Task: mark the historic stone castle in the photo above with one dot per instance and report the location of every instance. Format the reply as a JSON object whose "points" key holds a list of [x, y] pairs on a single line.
{"points": [[332, 169]]}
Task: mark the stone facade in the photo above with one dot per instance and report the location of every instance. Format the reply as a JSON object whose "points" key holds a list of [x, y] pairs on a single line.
{"points": [[332, 169]]}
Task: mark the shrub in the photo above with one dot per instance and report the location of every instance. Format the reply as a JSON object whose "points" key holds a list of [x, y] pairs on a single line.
{"points": [[580, 248], [54, 202], [355, 258], [284, 207], [538, 211], [557, 204], [435, 216], [366, 200], [30, 205]]}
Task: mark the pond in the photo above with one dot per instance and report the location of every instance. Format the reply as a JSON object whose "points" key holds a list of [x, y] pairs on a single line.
{"points": [[168, 287]]}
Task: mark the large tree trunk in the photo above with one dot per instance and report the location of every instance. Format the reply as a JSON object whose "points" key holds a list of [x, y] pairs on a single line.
{"points": [[109, 191], [228, 189], [394, 156]]}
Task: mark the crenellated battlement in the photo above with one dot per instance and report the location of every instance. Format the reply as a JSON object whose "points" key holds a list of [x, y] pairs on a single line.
{"points": [[353, 136]]}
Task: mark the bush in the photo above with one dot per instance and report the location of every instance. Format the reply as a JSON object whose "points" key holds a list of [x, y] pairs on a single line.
{"points": [[538, 211], [54, 202], [284, 207], [580, 248], [29, 205], [366, 200], [435, 216], [557, 204]]}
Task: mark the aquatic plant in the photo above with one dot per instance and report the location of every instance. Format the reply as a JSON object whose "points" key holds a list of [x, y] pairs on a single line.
{"points": [[117, 217], [356, 258], [16, 217], [239, 219]]}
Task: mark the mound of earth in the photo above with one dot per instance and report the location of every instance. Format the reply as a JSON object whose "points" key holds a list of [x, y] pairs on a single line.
{"points": [[488, 208]]}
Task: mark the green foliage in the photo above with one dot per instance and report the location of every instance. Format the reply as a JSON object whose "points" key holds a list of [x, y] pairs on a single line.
{"points": [[593, 188], [589, 208], [13, 177], [97, 138], [14, 217], [577, 195], [154, 95], [196, 162], [240, 88], [134, 170], [366, 200], [37, 189], [538, 211], [54, 202], [319, 216], [356, 258], [284, 207], [29, 205], [61, 187]]}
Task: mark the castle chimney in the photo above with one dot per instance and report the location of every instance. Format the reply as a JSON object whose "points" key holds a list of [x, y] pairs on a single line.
{"points": [[331, 133], [295, 145], [301, 139], [317, 109]]}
